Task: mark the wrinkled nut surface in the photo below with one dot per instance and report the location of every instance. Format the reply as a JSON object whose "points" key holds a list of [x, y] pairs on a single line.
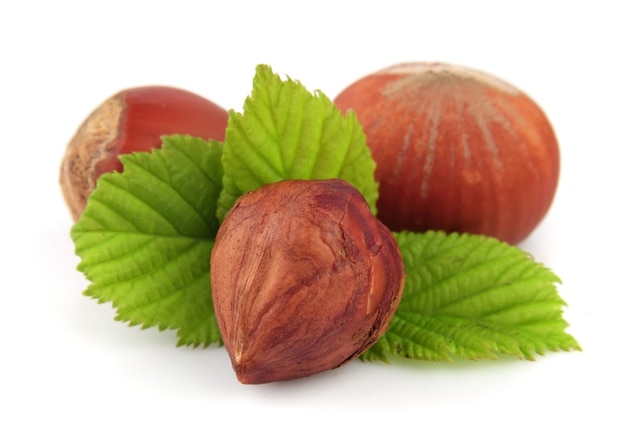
{"points": [[304, 279]]}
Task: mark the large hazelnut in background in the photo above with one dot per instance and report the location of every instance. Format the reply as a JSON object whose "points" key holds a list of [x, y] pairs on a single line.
{"points": [[456, 150], [132, 120], [304, 279]]}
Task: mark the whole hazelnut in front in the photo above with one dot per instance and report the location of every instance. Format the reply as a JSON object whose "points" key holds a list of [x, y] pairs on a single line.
{"points": [[132, 120], [456, 149], [304, 279]]}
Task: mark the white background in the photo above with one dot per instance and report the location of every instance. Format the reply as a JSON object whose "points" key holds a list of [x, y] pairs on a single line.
{"points": [[63, 357]]}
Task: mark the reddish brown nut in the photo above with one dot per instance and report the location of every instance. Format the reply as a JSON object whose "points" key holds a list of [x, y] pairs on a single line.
{"points": [[304, 279], [132, 120], [456, 150]]}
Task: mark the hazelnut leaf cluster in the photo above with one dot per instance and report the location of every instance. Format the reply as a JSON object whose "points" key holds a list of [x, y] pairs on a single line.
{"points": [[146, 236]]}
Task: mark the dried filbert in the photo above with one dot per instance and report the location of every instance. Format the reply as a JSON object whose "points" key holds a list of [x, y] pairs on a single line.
{"points": [[304, 279], [456, 149], [132, 120]]}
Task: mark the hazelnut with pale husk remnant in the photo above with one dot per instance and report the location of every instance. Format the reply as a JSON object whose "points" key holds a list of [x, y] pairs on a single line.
{"points": [[132, 120]]}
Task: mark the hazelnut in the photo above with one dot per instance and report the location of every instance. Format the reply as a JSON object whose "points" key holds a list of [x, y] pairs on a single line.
{"points": [[132, 120], [456, 150], [304, 279]]}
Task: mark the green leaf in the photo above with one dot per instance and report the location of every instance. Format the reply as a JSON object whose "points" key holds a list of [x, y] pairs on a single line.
{"points": [[286, 132], [473, 297], [146, 236]]}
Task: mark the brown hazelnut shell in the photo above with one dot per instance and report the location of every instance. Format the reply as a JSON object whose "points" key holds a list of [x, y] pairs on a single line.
{"points": [[132, 120], [456, 149], [304, 279]]}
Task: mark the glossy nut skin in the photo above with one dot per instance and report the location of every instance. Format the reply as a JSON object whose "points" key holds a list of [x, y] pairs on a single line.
{"points": [[304, 279], [132, 120], [456, 150]]}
